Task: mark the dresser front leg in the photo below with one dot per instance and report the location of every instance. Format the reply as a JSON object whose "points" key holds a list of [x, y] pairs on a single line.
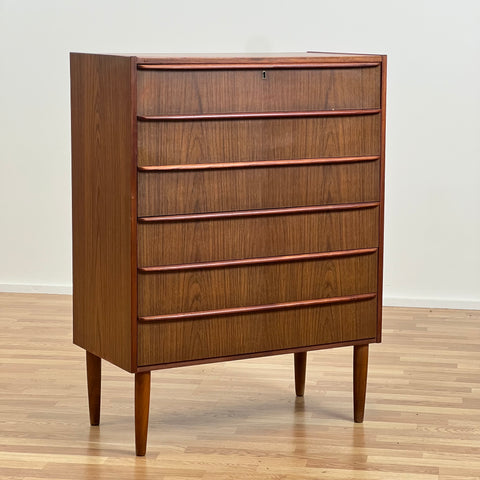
{"points": [[300, 361], [142, 405], [360, 369], [94, 385]]}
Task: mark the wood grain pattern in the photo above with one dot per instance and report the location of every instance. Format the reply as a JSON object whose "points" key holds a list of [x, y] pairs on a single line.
{"points": [[222, 336], [250, 309], [248, 356], [249, 237], [229, 91], [218, 288], [166, 193], [102, 208], [273, 109], [266, 212], [241, 420], [256, 261], [210, 141]]}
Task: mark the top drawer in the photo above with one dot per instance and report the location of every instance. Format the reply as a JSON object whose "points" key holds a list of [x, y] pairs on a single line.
{"points": [[181, 92]]}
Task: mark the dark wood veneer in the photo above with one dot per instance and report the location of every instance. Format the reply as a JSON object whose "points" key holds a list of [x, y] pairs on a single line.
{"points": [[257, 90], [210, 141], [220, 288], [102, 196], [258, 213], [183, 340], [256, 261], [225, 207], [256, 308], [256, 236], [168, 193], [266, 353]]}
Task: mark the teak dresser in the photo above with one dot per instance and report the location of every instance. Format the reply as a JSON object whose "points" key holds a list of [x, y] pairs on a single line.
{"points": [[225, 207]]}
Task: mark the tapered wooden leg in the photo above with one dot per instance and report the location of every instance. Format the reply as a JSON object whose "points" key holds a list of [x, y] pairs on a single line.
{"points": [[300, 361], [142, 405], [360, 369], [94, 383]]}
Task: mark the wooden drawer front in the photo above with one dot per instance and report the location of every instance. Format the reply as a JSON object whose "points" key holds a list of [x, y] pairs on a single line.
{"points": [[224, 91], [178, 242], [184, 340], [213, 141], [220, 288], [166, 193]]}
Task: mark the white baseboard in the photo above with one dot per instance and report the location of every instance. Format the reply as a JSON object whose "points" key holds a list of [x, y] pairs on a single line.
{"points": [[22, 288], [456, 304]]}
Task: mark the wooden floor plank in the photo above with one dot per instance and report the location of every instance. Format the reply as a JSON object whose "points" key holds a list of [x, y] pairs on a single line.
{"points": [[241, 420]]}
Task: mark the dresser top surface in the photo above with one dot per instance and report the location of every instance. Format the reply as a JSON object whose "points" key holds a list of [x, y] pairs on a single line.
{"points": [[260, 58]]}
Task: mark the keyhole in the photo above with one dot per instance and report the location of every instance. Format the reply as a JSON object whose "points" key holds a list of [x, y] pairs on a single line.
{"points": [[264, 75]]}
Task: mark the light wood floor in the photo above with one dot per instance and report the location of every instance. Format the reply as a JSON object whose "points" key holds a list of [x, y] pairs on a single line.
{"points": [[241, 420]]}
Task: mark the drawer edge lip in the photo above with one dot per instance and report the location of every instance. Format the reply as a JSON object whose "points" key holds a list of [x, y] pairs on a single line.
{"points": [[257, 261], [267, 353], [142, 65], [258, 213], [259, 163], [259, 115], [256, 308]]}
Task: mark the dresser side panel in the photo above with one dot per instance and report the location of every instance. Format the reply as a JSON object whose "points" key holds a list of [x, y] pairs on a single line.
{"points": [[102, 207]]}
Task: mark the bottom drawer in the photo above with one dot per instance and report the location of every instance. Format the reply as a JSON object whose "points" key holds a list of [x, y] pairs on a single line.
{"points": [[183, 340]]}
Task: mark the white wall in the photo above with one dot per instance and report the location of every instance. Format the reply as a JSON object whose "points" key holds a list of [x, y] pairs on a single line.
{"points": [[432, 254]]}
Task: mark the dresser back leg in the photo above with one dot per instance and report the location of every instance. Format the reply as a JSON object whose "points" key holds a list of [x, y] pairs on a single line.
{"points": [[94, 383], [300, 361], [360, 369], [142, 406]]}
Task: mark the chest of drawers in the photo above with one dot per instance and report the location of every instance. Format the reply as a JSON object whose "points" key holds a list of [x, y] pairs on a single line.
{"points": [[225, 208]]}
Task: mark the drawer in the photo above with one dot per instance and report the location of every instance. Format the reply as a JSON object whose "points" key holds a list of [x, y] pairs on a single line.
{"points": [[183, 340], [212, 141], [236, 237], [197, 191], [257, 90], [194, 290]]}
